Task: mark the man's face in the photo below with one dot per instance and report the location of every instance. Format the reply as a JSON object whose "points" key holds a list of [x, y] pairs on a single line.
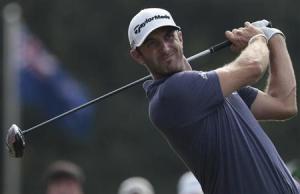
{"points": [[162, 52], [64, 186]]}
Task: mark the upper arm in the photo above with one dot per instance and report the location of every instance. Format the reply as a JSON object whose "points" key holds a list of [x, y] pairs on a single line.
{"points": [[266, 107]]}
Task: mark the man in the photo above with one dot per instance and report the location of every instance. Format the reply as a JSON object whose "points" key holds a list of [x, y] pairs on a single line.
{"points": [[64, 177], [210, 118], [136, 185], [188, 184]]}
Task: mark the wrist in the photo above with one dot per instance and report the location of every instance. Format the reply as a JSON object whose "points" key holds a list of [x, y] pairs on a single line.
{"points": [[277, 37], [277, 41], [257, 37]]}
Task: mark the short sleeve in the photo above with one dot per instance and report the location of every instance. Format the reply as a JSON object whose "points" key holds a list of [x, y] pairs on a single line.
{"points": [[248, 94]]}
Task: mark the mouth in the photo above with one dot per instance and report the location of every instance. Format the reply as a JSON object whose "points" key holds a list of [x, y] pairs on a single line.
{"points": [[167, 57]]}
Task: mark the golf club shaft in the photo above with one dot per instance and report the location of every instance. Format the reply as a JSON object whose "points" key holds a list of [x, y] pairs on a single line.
{"points": [[210, 50]]}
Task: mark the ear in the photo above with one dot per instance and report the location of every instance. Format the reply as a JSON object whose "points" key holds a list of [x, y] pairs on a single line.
{"points": [[137, 56], [180, 36]]}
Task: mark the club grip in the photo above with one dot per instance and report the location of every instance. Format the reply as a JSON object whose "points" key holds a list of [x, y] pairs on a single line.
{"points": [[219, 46]]}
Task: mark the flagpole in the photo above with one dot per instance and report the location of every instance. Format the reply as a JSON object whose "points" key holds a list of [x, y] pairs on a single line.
{"points": [[11, 103]]}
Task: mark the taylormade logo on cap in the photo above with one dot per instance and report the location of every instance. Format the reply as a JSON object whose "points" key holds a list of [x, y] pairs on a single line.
{"points": [[137, 28], [146, 21]]}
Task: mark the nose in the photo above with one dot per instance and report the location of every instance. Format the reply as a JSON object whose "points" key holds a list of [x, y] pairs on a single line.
{"points": [[164, 46]]}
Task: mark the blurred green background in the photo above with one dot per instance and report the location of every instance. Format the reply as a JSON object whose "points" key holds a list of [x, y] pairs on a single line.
{"points": [[90, 39]]}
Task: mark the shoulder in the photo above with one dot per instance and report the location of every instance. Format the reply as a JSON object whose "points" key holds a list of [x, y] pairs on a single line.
{"points": [[188, 86], [189, 75], [185, 96], [189, 81]]}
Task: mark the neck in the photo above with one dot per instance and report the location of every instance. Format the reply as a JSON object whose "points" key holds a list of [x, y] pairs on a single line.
{"points": [[187, 66]]}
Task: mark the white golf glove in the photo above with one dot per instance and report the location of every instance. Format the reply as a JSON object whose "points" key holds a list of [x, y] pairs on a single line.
{"points": [[261, 23], [269, 32]]}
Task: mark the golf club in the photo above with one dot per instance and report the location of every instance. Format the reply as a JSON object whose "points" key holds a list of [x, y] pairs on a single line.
{"points": [[15, 139]]}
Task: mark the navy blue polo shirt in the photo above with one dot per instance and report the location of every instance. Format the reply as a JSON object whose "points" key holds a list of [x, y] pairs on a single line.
{"points": [[217, 137]]}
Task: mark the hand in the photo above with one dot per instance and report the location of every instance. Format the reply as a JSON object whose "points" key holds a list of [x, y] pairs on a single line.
{"points": [[240, 37], [261, 23]]}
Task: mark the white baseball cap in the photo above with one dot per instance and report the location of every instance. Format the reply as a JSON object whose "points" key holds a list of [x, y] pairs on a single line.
{"points": [[188, 184], [144, 22], [136, 185]]}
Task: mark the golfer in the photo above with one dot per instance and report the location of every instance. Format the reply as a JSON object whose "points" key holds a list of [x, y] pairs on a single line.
{"points": [[210, 118]]}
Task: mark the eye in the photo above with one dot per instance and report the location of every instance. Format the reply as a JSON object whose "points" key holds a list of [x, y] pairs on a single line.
{"points": [[170, 35], [152, 44]]}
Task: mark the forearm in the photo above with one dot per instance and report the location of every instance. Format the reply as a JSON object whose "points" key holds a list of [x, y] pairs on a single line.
{"points": [[253, 60], [281, 82], [246, 69], [256, 52]]}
